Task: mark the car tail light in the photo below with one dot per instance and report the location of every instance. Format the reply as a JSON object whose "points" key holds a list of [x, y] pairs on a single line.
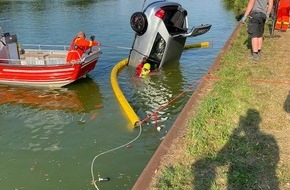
{"points": [[160, 13]]}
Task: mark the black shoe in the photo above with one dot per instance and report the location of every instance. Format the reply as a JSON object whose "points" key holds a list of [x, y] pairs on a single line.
{"points": [[256, 56]]}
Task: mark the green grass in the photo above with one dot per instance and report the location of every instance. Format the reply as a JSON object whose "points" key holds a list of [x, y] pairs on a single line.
{"points": [[176, 177], [225, 147]]}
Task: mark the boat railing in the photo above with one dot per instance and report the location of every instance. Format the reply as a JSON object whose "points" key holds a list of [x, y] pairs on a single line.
{"points": [[33, 61], [51, 47], [43, 61], [48, 57], [44, 47], [89, 55]]}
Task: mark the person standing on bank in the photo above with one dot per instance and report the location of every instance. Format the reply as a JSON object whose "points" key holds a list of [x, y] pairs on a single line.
{"points": [[257, 11], [80, 45]]}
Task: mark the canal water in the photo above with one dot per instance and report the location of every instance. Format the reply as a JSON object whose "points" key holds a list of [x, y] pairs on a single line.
{"points": [[50, 139]]}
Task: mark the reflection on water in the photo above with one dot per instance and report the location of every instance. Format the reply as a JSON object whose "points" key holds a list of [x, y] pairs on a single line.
{"points": [[81, 3], [153, 95], [57, 109], [82, 96]]}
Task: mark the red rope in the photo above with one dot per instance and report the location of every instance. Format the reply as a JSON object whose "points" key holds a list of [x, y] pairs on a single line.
{"points": [[156, 112]]}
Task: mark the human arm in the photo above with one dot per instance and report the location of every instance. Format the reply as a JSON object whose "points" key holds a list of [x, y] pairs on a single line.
{"points": [[249, 7], [139, 69], [93, 42], [248, 10], [86, 43], [270, 7]]}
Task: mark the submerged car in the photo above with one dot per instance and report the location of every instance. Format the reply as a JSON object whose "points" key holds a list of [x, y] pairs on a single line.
{"points": [[161, 31]]}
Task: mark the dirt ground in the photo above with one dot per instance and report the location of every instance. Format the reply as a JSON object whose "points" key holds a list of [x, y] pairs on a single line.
{"points": [[277, 115]]}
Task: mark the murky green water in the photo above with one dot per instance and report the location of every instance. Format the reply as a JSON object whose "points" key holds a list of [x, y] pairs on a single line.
{"points": [[49, 139]]}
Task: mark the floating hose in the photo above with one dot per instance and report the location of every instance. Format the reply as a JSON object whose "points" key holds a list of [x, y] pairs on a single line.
{"points": [[197, 45], [132, 116]]}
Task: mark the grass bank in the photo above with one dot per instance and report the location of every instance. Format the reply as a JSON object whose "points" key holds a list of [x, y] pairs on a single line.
{"points": [[237, 137]]}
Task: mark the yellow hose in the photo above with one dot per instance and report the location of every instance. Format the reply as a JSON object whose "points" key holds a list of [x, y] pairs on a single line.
{"points": [[132, 116], [198, 45]]}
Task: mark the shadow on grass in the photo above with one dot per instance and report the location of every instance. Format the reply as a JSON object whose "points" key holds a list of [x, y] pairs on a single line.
{"points": [[287, 104], [247, 161]]}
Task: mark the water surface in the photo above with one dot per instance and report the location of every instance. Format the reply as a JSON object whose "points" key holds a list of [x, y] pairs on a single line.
{"points": [[49, 138]]}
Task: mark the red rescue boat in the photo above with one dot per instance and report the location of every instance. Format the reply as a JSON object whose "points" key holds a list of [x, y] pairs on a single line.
{"points": [[41, 65]]}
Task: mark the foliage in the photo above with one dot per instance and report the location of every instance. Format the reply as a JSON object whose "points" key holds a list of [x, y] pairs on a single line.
{"points": [[237, 6]]}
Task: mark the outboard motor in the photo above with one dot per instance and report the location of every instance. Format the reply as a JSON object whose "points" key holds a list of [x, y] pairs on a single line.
{"points": [[8, 48], [161, 31], [3, 49]]}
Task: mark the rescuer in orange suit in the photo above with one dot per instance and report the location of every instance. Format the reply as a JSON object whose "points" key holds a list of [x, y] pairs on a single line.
{"points": [[140, 66], [80, 45], [282, 21], [143, 68]]}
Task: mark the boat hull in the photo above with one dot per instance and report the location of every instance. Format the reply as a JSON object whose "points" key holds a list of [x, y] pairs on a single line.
{"points": [[52, 76]]}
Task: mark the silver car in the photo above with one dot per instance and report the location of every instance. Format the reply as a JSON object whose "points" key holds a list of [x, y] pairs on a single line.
{"points": [[161, 31]]}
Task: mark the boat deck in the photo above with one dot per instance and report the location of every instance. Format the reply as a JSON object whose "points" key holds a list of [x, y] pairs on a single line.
{"points": [[38, 56], [43, 57]]}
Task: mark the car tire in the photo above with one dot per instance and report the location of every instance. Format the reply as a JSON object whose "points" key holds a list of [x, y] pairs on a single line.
{"points": [[138, 22]]}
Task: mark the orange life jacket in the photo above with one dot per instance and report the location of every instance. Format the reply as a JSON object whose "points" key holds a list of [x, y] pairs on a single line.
{"points": [[78, 47]]}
